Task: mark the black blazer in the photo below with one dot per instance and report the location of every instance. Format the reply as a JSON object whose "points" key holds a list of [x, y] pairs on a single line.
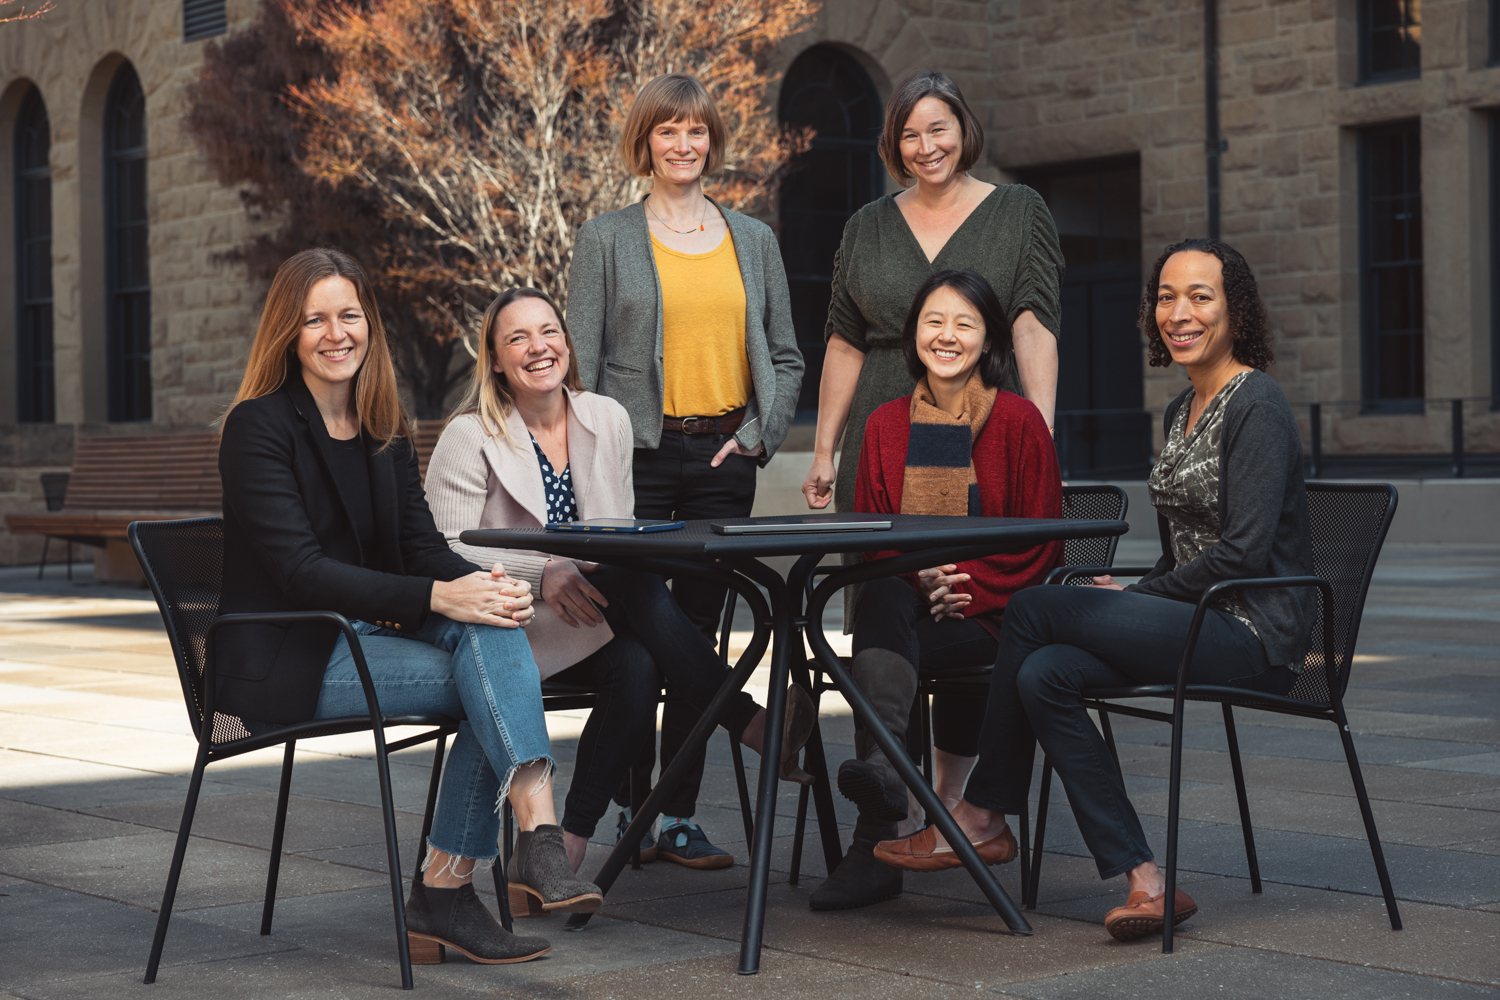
{"points": [[290, 545]]}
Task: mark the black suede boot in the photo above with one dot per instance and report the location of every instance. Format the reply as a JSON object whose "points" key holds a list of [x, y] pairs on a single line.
{"points": [[457, 918], [541, 880], [870, 781], [860, 880]]}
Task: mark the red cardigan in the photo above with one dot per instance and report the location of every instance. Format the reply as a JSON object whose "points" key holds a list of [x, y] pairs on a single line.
{"points": [[1016, 465]]}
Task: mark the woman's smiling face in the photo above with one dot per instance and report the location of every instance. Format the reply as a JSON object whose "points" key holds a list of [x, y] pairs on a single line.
{"points": [[529, 347], [335, 333], [1191, 311], [950, 336], [931, 141], [679, 150]]}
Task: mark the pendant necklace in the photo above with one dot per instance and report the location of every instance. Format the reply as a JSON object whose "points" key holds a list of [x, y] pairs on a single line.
{"points": [[681, 232]]}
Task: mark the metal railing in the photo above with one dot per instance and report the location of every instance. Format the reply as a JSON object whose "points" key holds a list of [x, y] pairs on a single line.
{"points": [[1458, 453]]}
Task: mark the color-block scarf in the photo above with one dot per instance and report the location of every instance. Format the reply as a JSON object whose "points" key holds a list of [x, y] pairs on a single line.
{"points": [[939, 453]]}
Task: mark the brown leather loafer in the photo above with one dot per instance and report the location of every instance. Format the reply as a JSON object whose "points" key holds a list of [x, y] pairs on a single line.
{"points": [[920, 853], [1143, 914]]}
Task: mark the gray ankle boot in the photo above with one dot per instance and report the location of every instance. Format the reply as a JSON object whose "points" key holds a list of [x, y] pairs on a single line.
{"points": [[871, 782], [860, 880], [541, 880]]}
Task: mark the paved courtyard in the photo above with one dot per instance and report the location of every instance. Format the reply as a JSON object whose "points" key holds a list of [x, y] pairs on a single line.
{"points": [[95, 750]]}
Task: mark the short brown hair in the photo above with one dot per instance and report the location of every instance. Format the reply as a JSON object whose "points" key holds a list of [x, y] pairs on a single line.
{"points": [[909, 92], [670, 98]]}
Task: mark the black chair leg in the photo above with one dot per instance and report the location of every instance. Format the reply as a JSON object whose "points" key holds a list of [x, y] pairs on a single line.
{"points": [[801, 827], [747, 811], [1025, 838], [1109, 736], [274, 869], [1369, 817], [1041, 832], [925, 701], [393, 859], [502, 894], [1174, 798], [1244, 800], [164, 915], [46, 542], [432, 795], [70, 560]]}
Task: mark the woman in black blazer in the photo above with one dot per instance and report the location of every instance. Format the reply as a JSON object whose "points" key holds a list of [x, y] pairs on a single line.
{"points": [[323, 509]]}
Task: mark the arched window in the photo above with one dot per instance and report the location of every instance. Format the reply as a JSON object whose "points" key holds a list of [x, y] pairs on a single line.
{"points": [[824, 89], [35, 392], [127, 249]]}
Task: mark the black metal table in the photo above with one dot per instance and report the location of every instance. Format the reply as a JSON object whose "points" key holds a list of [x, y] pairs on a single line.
{"points": [[696, 551]]}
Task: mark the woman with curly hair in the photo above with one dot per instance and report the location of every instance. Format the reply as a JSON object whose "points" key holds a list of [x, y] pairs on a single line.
{"points": [[1231, 504]]}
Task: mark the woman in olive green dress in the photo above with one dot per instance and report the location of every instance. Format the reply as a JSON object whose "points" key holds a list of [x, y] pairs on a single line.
{"points": [[946, 219]]}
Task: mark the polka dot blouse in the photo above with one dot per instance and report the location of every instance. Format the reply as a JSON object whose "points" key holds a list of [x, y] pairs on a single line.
{"points": [[562, 506]]}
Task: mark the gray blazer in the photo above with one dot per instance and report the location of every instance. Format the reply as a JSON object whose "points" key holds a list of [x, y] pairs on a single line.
{"points": [[614, 315]]}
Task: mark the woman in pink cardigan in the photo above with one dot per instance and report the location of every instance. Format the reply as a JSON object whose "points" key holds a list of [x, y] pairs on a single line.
{"points": [[529, 446]]}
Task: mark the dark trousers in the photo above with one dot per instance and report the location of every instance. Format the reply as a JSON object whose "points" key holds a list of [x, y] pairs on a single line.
{"points": [[891, 615], [653, 641], [675, 481], [1058, 641]]}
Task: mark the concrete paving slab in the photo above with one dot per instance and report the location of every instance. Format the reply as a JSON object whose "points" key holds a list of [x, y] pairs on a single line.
{"points": [[1252, 975], [26, 825], [53, 935], [74, 784], [1318, 744], [1484, 763], [134, 870]]}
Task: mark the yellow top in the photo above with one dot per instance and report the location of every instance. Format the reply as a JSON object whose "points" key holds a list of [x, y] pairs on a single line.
{"points": [[707, 371]]}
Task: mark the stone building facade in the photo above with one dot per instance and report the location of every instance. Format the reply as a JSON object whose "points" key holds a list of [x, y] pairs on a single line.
{"points": [[1098, 103]]}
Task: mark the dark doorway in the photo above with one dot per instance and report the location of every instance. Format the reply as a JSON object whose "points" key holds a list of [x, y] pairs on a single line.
{"points": [[827, 90], [1391, 314], [36, 400], [1102, 428]]}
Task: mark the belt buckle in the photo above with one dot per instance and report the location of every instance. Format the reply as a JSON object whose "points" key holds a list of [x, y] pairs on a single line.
{"points": [[691, 420]]}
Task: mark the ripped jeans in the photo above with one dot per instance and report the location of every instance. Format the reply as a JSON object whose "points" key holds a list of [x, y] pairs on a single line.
{"points": [[482, 674]]}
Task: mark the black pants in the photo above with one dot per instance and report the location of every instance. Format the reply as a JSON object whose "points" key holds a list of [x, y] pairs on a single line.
{"points": [[675, 481], [1058, 641], [653, 640], [890, 615]]}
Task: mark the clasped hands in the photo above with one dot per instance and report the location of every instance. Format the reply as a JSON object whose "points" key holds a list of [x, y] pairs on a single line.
{"points": [[937, 585], [481, 598]]}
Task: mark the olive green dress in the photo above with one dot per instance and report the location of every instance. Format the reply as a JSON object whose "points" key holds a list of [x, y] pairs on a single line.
{"points": [[1009, 238]]}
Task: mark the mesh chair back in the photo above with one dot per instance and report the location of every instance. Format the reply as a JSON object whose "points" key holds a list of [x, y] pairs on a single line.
{"points": [[184, 564], [1092, 503], [1349, 524], [55, 488]]}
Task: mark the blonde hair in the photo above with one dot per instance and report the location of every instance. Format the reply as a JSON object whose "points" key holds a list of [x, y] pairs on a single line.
{"points": [[489, 395], [670, 98], [377, 400]]}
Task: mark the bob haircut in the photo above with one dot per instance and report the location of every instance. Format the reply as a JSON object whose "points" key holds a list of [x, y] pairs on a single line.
{"points": [[994, 363], [670, 98], [1249, 327], [273, 354], [489, 394], [909, 92]]}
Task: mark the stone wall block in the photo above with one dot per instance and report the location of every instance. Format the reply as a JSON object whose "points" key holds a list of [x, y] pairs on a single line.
{"points": [[1278, 77]]}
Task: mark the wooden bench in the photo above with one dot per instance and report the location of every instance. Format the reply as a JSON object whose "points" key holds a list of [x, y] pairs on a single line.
{"points": [[119, 478]]}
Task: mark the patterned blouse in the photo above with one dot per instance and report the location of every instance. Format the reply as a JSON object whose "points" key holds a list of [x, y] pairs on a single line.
{"points": [[1184, 485], [562, 506]]}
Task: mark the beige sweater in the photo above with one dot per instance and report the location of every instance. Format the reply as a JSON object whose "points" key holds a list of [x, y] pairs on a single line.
{"points": [[475, 480]]}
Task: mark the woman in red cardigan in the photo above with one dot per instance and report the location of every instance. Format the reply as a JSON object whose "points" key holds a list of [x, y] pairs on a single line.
{"points": [[959, 446]]}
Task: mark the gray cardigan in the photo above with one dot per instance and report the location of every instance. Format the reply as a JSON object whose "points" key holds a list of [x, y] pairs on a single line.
{"points": [[614, 315], [1264, 525]]}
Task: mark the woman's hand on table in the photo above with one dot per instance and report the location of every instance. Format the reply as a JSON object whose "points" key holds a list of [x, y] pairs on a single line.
{"points": [[937, 586], [1106, 582], [569, 594], [733, 447], [817, 488], [483, 599]]}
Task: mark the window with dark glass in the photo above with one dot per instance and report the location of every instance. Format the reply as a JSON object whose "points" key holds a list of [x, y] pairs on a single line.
{"points": [[35, 386], [1494, 32], [127, 250], [827, 90], [203, 19], [1390, 40], [1390, 196], [1495, 260], [1101, 426]]}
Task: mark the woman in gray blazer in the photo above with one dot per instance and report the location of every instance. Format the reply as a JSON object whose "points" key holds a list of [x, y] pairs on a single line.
{"points": [[680, 311]]}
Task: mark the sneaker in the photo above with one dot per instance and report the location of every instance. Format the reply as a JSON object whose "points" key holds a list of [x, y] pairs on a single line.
{"points": [[648, 839], [688, 845]]}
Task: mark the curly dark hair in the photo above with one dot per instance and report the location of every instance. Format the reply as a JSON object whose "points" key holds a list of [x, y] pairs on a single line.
{"points": [[1248, 323]]}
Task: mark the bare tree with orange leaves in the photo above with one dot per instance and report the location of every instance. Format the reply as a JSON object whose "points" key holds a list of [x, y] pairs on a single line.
{"points": [[485, 130], [23, 14]]}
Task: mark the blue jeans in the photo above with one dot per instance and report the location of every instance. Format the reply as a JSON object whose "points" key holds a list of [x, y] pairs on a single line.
{"points": [[1058, 641], [482, 674]]}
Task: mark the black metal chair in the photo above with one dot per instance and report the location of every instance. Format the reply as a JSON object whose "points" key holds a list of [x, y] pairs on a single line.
{"points": [[1349, 524], [1092, 503], [183, 562], [55, 492]]}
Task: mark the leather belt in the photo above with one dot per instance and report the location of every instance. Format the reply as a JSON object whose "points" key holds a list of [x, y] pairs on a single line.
{"points": [[726, 423]]}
